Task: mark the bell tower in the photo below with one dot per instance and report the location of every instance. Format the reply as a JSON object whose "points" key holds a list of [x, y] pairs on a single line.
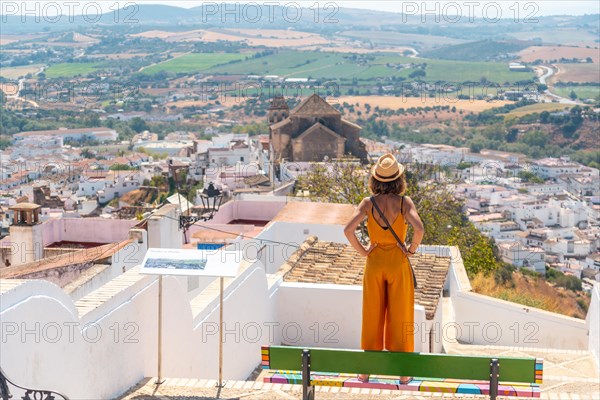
{"points": [[279, 110]]}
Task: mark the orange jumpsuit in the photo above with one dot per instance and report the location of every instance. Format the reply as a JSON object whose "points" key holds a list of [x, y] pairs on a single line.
{"points": [[388, 291]]}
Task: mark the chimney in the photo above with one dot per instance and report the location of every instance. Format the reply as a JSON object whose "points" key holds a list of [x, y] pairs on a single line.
{"points": [[26, 234]]}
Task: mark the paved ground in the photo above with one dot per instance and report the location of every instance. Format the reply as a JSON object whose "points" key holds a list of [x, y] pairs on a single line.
{"points": [[568, 374], [186, 389]]}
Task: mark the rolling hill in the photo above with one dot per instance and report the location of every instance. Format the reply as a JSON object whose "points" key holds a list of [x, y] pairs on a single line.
{"points": [[483, 50]]}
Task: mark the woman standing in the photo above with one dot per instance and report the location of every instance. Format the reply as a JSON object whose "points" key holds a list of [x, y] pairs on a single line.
{"points": [[388, 284]]}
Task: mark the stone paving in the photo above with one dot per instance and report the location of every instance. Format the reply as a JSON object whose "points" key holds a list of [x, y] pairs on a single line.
{"points": [[191, 389]]}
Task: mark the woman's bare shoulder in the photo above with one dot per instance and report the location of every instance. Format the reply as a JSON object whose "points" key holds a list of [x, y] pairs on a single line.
{"points": [[365, 204], [408, 201]]}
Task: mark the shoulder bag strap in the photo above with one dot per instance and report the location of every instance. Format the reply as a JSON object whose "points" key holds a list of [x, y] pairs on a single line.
{"points": [[400, 242]]}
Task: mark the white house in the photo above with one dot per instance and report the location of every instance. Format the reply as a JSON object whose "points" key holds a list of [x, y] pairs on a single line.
{"points": [[553, 167], [100, 134], [121, 182], [522, 256]]}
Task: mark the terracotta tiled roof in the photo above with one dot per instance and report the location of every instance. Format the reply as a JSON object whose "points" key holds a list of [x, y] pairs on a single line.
{"points": [[335, 263], [92, 255], [314, 104], [24, 206]]}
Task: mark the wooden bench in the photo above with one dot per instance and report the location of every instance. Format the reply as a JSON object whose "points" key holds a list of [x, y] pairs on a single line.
{"points": [[447, 373], [28, 394]]}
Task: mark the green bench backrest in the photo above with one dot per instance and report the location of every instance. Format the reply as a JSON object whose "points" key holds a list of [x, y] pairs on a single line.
{"points": [[512, 369]]}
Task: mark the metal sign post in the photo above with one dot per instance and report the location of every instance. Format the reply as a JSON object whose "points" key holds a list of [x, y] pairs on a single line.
{"points": [[159, 379], [220, 383], [183, 262]]}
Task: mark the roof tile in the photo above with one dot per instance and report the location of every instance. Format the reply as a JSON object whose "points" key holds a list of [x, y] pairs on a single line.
{"points": [[335, 263]]}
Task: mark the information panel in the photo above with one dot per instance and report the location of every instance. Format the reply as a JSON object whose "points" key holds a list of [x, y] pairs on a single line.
{"points": [[190, 262]]}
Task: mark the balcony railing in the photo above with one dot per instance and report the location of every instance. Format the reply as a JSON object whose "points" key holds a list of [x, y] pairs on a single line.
{"points": [[27, 394]]}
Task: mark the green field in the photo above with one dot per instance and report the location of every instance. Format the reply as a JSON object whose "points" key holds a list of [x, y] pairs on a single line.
{"points": [[345, 67], [194, 62], [69, 70], [582, 92], [536, 108], [402, 39], [558, 36]]}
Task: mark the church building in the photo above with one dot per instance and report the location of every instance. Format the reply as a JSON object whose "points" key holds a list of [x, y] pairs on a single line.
{"points": [[312, 131]]}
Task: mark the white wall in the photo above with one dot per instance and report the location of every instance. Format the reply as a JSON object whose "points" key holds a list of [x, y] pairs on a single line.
{"points": [[486, 320], [26, 244], [248, 323], [593, 324], [263, 209], [490, 321], [284, 238], [326, 315], [128, 257], [95, 230], [163, 228], [111, 347]]}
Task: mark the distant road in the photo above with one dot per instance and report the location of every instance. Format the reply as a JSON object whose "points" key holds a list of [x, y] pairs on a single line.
{"points": [[17, 96], [546, 74]]}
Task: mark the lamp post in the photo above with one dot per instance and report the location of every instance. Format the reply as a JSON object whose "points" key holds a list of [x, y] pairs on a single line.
{"points": [[211, 198]]}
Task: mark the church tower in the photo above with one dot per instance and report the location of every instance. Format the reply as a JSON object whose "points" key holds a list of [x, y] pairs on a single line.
{"points": [[279, 110]]}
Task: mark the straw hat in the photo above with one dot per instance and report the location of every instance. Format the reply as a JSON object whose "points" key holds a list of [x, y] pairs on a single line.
{"points": [[387, 168]]}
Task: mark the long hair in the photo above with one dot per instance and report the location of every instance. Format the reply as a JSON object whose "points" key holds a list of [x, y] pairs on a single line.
{"points": [[397, 186]]}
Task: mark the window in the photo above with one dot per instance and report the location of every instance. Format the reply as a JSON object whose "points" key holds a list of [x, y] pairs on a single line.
{"points": [[241, 158]]}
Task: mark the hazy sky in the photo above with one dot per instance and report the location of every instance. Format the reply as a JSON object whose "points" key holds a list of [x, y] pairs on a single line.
{"points": [[545, 7], [539, 8]]}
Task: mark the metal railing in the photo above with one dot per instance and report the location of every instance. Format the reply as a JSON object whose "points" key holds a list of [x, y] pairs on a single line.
{"points": [[28, 394]]}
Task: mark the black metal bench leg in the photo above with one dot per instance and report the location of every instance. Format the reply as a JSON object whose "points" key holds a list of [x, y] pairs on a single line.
{"points": [[308, 391], [494, 377]]}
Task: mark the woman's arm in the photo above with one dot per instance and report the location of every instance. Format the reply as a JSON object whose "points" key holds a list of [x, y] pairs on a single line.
{"points": [[412, 216], [350, 228]]}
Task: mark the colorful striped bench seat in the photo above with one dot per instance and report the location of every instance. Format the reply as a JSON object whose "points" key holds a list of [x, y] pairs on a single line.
{"points": [[443, 373]]}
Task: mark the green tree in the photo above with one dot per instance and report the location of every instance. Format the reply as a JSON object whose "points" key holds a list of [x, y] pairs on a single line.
{"points": [[528, 176], [138, 125], [573, 95], [429, 188], [121, 167]]}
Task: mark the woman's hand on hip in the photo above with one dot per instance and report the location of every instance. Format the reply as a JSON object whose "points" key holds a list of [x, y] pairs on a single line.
{"points": [[405, 250], [369, 250]]}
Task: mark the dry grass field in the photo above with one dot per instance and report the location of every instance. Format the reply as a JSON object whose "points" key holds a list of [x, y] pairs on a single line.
{"points": [[120, 56], [547, 53], [224, 101], [533, 292], [273, 33], [336, 47], [536, 108], [8, 39], [9, 89], [154, 34], [578, 73], [272, 38], [409, 102], [254, 37], [18, 72]]}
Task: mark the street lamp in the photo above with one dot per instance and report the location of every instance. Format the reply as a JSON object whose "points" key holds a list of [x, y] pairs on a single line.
{"points": [[211, 198]]}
